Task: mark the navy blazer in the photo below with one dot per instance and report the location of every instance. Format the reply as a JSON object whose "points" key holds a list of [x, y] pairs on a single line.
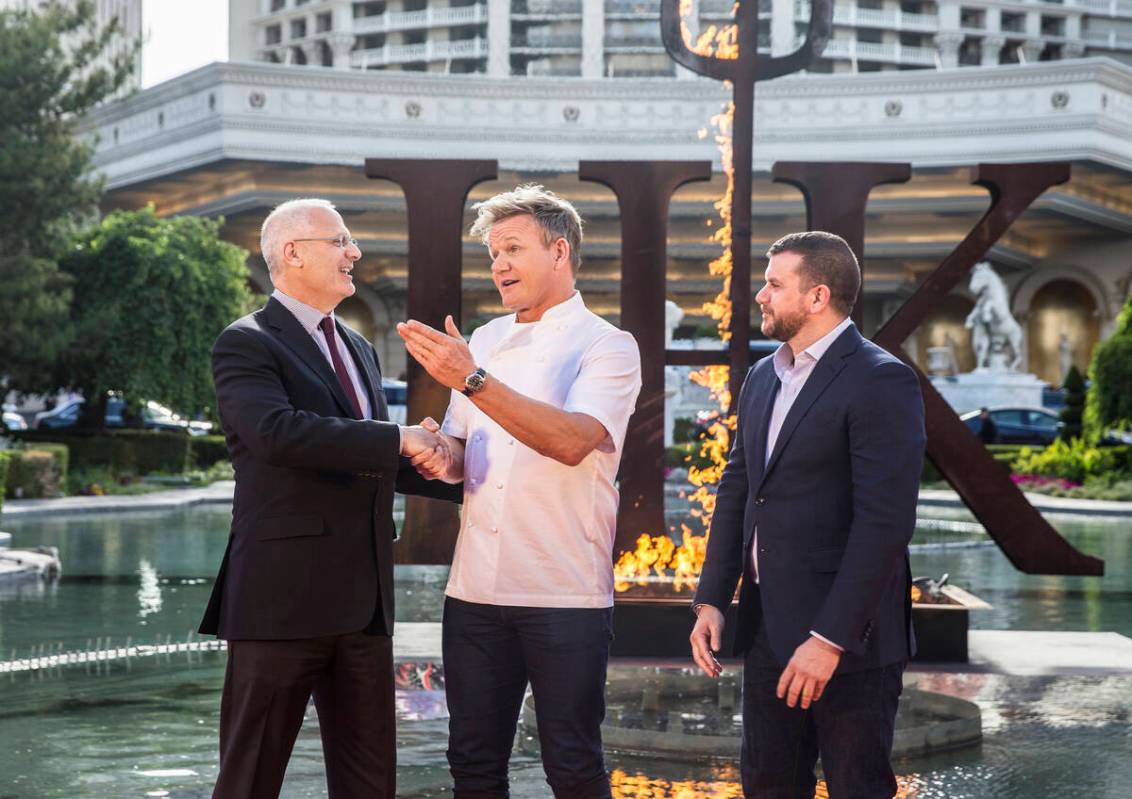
{"points": [[310, 553], [835, 508]]}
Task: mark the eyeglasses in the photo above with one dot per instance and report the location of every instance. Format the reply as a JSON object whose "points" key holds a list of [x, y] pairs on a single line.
{"points": [[341, 242]]}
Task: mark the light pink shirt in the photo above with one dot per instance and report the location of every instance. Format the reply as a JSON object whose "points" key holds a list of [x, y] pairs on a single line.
{"points": [[793, 372]]}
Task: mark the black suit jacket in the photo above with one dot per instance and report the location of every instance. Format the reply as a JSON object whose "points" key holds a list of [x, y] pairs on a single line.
{"points": [[835, 507], [311, 548]]}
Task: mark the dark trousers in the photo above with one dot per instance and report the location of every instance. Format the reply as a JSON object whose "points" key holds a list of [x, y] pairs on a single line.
{"points": [[490, 654], [266, 690], [851, 727]]}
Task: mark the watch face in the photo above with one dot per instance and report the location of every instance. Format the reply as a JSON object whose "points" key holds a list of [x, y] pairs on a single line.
{"points": [[474, 381]]}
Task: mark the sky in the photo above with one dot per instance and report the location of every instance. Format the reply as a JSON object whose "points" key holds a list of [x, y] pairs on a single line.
{"points": [[182, 35]]}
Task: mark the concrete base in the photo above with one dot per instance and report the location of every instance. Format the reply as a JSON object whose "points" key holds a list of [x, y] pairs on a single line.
{"points": [[975, 390]]}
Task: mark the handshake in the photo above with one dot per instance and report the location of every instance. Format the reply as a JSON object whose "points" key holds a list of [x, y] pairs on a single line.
{"points": [[429, 450]]}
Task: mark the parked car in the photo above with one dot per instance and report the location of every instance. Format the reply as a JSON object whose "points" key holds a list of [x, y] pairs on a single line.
{"points": [[154, 417], [1018, 425], [397, 398], [12, 420]]}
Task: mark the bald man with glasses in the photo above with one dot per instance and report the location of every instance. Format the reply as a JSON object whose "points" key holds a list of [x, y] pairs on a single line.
{"points": [[305, 591]]}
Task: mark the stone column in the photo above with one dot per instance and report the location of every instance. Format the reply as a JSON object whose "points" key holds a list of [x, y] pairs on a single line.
{"points": [[991, 47], [1032, 50], [499, 38], [782, 27], [947, 42], [341, 44], [1073, 49], [313, 53], [593, 38]]}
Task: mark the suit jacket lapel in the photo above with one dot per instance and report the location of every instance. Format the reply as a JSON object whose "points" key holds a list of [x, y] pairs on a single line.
{"points": [[368, 369], [761, 404], [823, 374], [300, 342]]}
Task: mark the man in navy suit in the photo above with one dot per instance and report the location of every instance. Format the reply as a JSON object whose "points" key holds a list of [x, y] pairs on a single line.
{"points": [[815, 510]]}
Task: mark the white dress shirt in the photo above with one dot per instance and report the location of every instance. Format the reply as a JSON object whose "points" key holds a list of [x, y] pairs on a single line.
{"points": [[309, 318], [535, 532]]}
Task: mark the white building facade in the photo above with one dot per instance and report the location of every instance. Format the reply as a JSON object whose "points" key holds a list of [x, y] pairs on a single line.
{"points": [[129, 16], [621, 38]]}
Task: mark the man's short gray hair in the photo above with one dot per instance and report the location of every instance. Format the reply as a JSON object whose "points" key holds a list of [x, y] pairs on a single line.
{"points": [[280, 224], [556, 217]]}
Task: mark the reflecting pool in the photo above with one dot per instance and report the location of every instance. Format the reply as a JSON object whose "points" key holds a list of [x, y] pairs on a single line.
{"points": [[147, 726]]}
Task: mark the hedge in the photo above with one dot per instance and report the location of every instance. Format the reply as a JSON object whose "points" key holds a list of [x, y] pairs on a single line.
{"points": [[122, 451], [37, 472], [207, 451]]}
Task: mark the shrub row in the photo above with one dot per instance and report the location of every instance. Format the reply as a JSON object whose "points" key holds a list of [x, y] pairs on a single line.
{"points": [[207, 451], [122, 451]]}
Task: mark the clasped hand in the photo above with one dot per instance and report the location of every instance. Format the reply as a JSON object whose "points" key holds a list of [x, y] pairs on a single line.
{"points": [[426, 448]]}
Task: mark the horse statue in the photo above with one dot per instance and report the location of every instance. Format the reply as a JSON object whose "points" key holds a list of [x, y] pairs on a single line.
{"points": [[995, 334]]}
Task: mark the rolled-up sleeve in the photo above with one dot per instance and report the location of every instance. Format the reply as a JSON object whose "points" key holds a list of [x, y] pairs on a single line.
{"points": [[607, 386]]}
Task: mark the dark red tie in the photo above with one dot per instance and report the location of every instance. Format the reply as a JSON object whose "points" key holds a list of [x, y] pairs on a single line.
{"points": [[327, 326]]}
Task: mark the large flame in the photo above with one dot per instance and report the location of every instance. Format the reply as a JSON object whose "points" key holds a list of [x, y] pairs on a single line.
{"points": [[658, 555]]}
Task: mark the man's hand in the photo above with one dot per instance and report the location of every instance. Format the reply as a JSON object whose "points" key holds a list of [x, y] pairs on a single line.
{"points": [[433, 464], [445, 357], [706, 638], [808, 672], [422, 439]]}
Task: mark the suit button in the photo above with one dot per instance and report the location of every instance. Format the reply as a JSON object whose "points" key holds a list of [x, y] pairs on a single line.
{"points": [[760, 501]]}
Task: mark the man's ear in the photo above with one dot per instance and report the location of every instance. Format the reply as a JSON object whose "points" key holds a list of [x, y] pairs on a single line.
{"points": [[561, 252]]}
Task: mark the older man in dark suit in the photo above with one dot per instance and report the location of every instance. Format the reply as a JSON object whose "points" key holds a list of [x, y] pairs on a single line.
{"points": [[305, 591], [815, 510]]}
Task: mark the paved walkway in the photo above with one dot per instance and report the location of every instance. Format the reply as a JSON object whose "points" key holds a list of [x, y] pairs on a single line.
{"points": [[218, 492], [1046, 504]]}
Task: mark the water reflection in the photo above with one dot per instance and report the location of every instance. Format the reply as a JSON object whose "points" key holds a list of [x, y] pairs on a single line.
{"points": [[149, 589]]}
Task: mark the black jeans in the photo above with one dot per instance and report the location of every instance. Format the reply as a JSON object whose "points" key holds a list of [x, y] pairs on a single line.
{"points": [[490, 654], [851, 726]]}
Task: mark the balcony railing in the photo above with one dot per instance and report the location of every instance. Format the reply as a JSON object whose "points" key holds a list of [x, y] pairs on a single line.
{"points": [[894, 53], [1107, 41], [409, 53], [1109, 8], [553, 7], [637, 8], [416, 20], [853, 17], [567, 41]]}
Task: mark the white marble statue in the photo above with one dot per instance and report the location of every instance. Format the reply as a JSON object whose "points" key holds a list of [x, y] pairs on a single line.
{"points": [[995, 334], [1065, 355]]}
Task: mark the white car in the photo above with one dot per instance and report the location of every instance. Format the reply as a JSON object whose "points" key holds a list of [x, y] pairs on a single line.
{"points": [[13, 421]]}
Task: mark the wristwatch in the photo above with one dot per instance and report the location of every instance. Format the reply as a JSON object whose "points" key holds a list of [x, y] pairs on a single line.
{"points": [[474, 382]]}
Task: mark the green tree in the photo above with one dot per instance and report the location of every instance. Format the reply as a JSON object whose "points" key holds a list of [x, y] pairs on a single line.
{"points": [[1072, 413], [151, 296], [49, 78], [1109, 401]]}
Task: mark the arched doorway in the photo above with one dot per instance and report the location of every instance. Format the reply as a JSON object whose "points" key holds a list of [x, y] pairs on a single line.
{"points": [[1062, 328], [946, 324], [355, 313]]}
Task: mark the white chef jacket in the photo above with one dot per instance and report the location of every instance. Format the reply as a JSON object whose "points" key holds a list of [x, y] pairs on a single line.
{"points": [[535, 532]]}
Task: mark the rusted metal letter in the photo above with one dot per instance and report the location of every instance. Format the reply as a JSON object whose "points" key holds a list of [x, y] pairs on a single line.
{"points": [[644, 189], [435, 193]]}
